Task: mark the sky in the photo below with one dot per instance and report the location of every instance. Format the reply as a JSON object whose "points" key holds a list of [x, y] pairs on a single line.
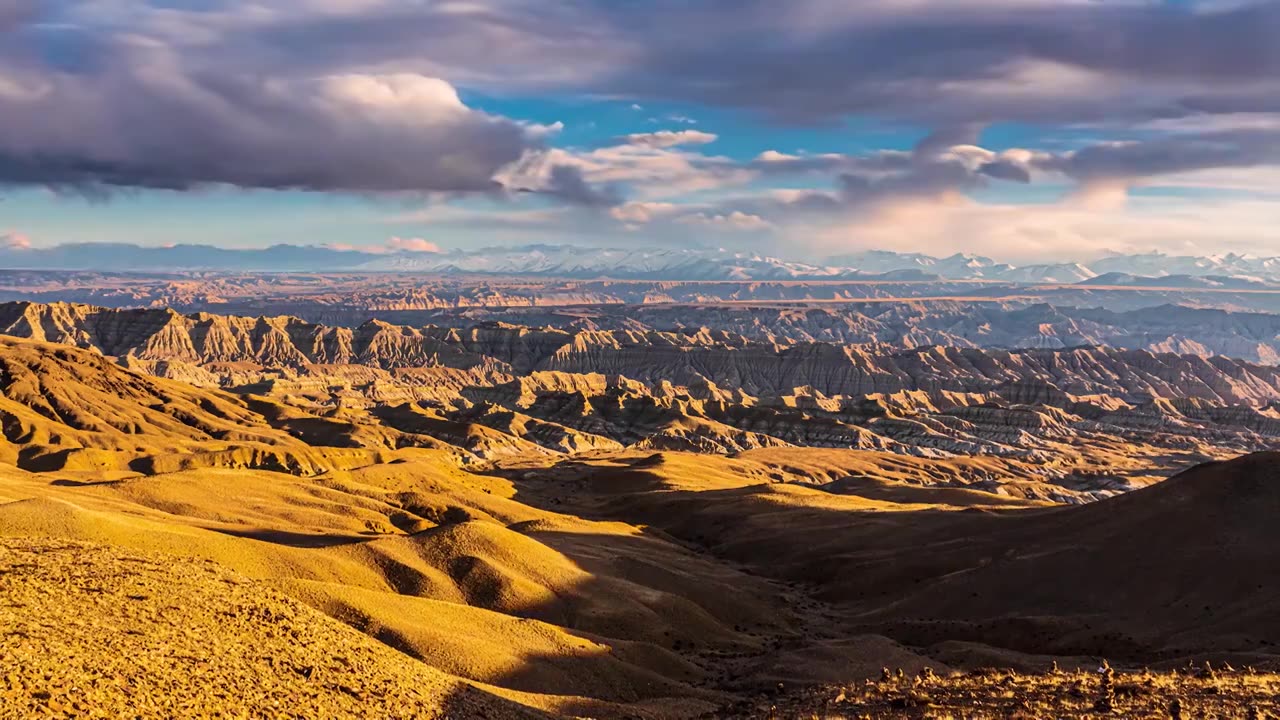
{"points": [[1025, 130]]}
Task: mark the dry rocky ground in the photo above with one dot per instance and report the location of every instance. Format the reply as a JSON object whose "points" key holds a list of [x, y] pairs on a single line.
{"points": [[92, 632], [1223, 693]]}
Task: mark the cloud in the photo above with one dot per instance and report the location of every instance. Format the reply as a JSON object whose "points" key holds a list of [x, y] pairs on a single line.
{"points": [[392, 245], [13, 240], [965, 167], [1067, 231], [642, 212], [13, 12], [865, 181], [945, 138], [735, 220], [891, 188], [1004, 169], [134, 112], [417, 245], [1166, 156], [140, 94], [669, 138], [360, 96], [607, 176], [565, 182], [969, 62], [945, 65]]}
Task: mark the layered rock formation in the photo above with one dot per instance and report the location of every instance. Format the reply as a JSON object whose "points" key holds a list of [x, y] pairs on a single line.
{"points": [[497, 390]]}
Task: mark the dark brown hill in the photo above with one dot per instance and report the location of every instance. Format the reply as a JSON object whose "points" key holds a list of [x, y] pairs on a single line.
{"points": [[1178, 569]]}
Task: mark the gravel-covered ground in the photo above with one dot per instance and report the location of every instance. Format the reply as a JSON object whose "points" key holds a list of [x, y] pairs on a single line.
{"points": [[1201, 692]]}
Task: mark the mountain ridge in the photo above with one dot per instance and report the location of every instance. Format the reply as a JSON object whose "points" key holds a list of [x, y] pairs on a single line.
{"points": [[683, 358], [569, 261]]}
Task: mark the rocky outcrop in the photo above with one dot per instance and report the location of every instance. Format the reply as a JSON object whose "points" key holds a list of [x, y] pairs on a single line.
{"points": [[202, 338], [496, 389]]}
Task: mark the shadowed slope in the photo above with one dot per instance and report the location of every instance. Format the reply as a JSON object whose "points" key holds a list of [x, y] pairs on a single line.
{"points": [[1169, 571]]}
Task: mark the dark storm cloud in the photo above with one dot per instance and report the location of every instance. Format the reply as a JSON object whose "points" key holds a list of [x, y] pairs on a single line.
{"points": [[134, 113], [946, 64], [12, 12], [969, 62], [951, 65], [1006, 170], [567, 184], [1166, 156]]}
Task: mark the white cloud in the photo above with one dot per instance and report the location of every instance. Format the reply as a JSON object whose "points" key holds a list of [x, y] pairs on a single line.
{"points": [[418, 245], [392, 245], [735, 220], [14, 240], [1066, 231], [642, 212], [648, 172], [670, 138]]}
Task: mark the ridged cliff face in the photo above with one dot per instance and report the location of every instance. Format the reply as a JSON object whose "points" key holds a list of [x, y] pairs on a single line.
{"points": [[497, 389], [165, 335], [682, 358]]}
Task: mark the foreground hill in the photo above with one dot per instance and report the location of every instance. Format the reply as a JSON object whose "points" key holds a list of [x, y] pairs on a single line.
{"points": [[91, 631]]}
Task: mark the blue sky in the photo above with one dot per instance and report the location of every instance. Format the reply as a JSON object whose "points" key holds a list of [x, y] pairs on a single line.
{"points": [[1022, 129]]}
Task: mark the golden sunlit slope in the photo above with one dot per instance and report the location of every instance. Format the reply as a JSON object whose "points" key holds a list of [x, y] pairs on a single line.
{"points": [[440, 563], [527, 606], [90, 631]]}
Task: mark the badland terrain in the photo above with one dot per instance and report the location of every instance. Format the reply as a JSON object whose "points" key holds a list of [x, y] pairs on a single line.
{"points": [[325, 494]]}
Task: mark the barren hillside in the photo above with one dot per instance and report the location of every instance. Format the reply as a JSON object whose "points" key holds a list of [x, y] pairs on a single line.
{"points": [[600, 582]]}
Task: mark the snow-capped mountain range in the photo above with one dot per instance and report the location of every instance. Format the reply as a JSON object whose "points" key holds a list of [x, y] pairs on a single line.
{"points": [[1117, 268], [566, 261], [698, 264]]}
